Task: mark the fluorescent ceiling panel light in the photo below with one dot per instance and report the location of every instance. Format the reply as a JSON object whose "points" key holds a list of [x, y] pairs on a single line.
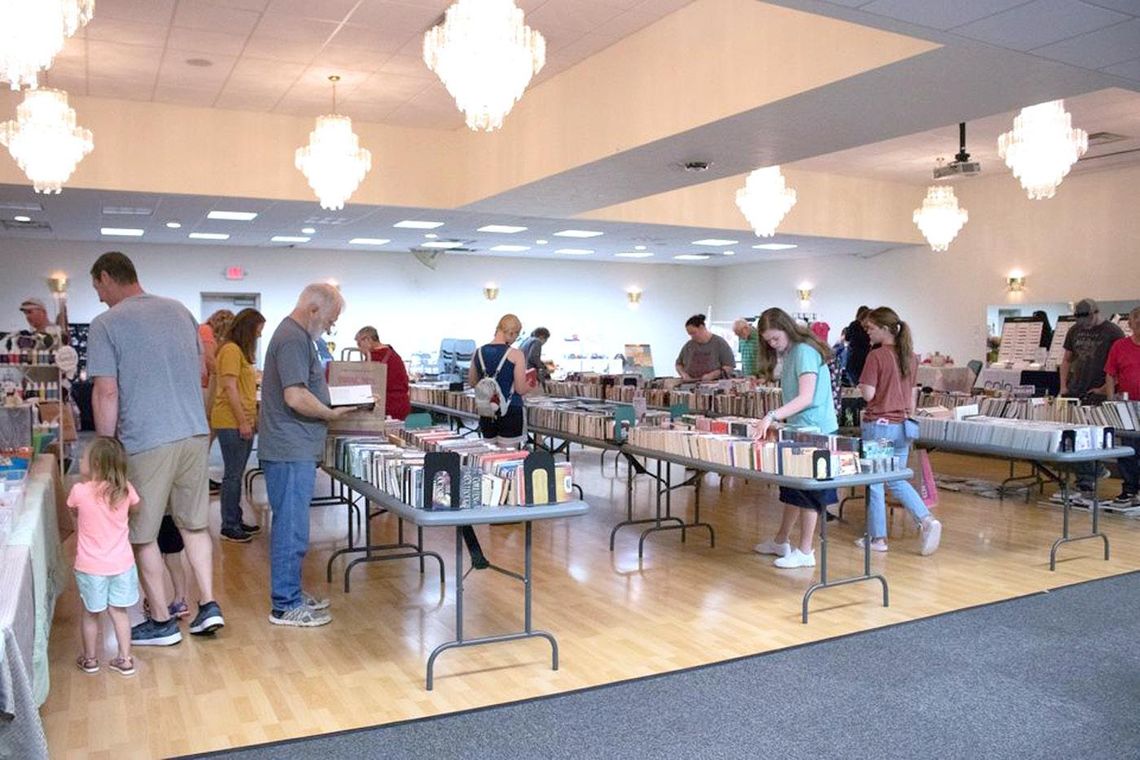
{"points": [[639, 248], [21, 219], [541, 242], [715, 242], [506, 229], [120, 231], [442, 244], [232, 216], [308, 230], [174, 225], [209, 236], [634, 254], [577, 233], [510, 248], [692, 257], [126, 211], [774, 246], [289, 239], [412, 224], [575, 251], [728, 253], [369, 241]]}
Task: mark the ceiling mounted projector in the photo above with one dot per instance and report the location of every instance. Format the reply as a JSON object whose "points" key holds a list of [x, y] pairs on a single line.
{"points": [[961, 166]]}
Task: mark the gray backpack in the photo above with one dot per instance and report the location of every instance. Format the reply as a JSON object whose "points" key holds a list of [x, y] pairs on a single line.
{"points": [[488, 396]]}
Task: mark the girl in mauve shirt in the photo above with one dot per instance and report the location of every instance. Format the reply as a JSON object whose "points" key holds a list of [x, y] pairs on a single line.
{"points": [[887, 382], [104, 563]]}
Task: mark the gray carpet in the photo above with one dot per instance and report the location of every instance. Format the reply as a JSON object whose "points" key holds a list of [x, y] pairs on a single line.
{"points": [[1050, 675]]}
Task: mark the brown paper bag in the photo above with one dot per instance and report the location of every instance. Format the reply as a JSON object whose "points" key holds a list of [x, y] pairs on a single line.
{"points": [[360, 373]]}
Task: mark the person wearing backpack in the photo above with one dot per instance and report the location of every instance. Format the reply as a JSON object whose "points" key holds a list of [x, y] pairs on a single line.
{"points": [[498, 374]]}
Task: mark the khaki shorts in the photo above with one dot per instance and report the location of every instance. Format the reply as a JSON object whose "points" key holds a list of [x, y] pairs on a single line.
{"points": [[173, 478]]}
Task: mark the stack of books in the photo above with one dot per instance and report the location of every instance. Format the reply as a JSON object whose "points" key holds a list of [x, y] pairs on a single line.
{"points": [[1017, 435], [584, 417]]}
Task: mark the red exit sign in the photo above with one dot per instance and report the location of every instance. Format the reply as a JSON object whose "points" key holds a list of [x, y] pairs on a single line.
{"points": [[235, 273]]}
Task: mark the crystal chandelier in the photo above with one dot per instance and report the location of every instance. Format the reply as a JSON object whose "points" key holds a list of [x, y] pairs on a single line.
{"points": [[485, 56], [765, 199], [45, 140], [940, 219], [1042, 147], [333, 161], [32, 32]]}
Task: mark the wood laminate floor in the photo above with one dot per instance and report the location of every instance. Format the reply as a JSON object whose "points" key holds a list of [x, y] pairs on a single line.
{"points": [[615, 617]]}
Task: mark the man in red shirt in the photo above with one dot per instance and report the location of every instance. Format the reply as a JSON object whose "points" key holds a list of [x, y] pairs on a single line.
{"points": [[397, 401], [1122, 372]]}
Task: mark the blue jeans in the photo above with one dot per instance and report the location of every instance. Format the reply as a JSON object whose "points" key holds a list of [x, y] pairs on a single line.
{"points": [[235, 455], [1130, 473], [290, 488], [900, 489]]}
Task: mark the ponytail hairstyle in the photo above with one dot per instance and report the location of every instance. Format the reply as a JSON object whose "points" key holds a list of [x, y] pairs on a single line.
{"points": [[107, 460], [886, 318], [778, 319]]}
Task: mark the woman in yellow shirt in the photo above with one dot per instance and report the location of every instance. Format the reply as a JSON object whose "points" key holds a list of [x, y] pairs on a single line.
{"points": [[234, 416]]}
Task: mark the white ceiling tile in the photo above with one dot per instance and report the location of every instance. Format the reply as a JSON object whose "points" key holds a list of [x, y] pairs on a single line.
{"points": [[141, 11], [385, 86], [248, 5], [100, 87], [203, 41], [353, 58], [271, 48], [69, 67], [403, 16], [1128, 69], [315, 81], [253, 74], [371, 112], [938, 15], [326, 10], [109, 29], [1098, 49], [662, 8], [73, 50], [287, 28], [1039, 23], [304, 106], [185, 95], [195, 14], [73, 83], [131, 63], [407, 66], [580, 15], [381, 40], [246, 101], [175, 72]]}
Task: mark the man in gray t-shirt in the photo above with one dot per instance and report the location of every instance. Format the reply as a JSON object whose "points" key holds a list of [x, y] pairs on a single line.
{"points": [[294, 420], [146, 361], [706, 356]]}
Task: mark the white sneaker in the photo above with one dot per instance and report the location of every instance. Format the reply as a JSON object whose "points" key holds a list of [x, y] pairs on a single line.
{"points": [[795, 558], [771, 547], [878, 545], [931, 537]]}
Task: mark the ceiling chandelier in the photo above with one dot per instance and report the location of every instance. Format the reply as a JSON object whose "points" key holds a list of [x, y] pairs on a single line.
{"points": [[940, 219], [765, 199], [333, 161], [32, 32], [485, 56], [1042, 147], [45, 140]]}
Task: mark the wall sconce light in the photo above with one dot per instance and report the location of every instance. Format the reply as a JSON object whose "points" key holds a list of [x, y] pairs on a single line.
{"points": [[803, 292], [1015, 283], [57, 283], [633, 293], [490, 291]]}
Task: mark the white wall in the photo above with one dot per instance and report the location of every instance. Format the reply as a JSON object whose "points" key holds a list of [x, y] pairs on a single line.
{"points": [[1085, 241], [412, 307]]}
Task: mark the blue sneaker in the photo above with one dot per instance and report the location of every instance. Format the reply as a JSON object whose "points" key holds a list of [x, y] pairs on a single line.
{"points": [[208, 619], [151, 633]]}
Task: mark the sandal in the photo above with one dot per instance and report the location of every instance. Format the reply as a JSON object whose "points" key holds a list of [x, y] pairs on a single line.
{"points": [[87, 664], [123, 665]]}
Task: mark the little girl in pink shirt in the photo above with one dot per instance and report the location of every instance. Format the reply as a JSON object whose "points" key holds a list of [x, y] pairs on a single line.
{"points": [[104, 564]]}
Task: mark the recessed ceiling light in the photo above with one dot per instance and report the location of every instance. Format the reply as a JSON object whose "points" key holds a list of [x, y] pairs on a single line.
{"points": [[430, 235], [639, 248], [21, 219], [506, 229], [728, 253], [120, 231], [715, 241], [634, 254], [369, 241], [692, 257], [126, 211], [541, 242], [209, 235], [575, 251], [510, 248], [174, 225], [577, 233], [289, 239], [412, 224], [232, 216], [774, 246], [442, 244], [308, 230]]}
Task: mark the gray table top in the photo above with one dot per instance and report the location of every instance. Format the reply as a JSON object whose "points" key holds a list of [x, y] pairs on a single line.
{"points": [[453, 517], [802, 484], [445, 410], [1058, 457]]}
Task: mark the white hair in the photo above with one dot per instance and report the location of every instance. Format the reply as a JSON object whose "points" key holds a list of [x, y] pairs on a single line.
{"points": [[321, 295]]}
